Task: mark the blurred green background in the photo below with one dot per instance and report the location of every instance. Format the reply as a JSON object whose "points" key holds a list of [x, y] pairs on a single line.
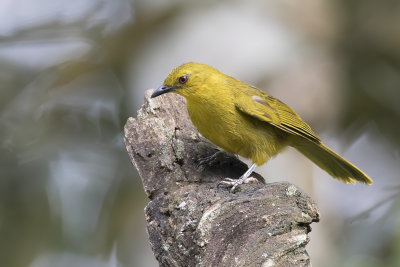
{"points": [[72, 72]]}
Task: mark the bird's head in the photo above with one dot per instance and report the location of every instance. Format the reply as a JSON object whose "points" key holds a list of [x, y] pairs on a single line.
{"points": [[188, 79]]}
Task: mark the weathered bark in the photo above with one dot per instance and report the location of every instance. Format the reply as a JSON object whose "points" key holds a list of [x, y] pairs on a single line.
{"points": [[192, 222]]}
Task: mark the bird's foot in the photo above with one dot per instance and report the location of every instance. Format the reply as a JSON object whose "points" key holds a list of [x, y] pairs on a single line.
{"points": [[234, 183], [218, 156]]}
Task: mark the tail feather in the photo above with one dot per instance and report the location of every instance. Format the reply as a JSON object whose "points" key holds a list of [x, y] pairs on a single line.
{"points": [[331, 162]]}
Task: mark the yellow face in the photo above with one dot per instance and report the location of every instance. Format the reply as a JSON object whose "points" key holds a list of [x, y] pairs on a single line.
{"points": [[186, 79], [179, 76]]}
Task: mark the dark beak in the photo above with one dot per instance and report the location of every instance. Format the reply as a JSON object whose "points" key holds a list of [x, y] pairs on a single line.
{"points": [[162, 90]]}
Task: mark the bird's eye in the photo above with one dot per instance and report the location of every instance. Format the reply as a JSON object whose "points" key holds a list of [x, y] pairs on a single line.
{"points": [[183, 79]]}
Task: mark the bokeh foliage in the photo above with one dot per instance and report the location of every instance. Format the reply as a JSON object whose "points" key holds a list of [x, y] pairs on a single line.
{"points": [[69, 195]]}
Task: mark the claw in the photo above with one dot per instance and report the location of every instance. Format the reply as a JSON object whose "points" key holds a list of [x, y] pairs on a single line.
{"points": [[228, 182], [234, 183], [244, 179]]}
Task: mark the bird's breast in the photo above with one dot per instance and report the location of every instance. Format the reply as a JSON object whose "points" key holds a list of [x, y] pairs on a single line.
{"points": [[215, 123]]}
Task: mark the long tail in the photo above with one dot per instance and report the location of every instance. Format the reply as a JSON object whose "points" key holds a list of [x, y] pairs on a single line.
{"points": [[331, 162]]}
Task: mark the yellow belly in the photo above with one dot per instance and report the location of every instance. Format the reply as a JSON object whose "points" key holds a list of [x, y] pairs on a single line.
{"points": [[237, 133]]}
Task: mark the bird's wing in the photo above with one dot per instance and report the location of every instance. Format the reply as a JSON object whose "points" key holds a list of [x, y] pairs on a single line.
{"points": [[270, 109]]}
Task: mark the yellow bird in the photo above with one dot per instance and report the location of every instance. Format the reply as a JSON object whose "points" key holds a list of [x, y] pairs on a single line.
{"points": [[244, 120]]}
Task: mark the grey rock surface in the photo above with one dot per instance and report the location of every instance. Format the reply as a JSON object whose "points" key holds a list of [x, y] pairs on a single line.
{"points": [[191, 221]]}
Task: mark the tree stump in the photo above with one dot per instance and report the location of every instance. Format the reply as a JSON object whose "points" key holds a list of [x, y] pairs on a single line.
{"points": [[191, 221]]}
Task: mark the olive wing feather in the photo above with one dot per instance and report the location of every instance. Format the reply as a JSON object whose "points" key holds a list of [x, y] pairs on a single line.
{"points": [[272, 110]]}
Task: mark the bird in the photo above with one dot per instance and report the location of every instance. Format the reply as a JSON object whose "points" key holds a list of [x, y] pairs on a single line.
{"points": [[244, 120]]}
